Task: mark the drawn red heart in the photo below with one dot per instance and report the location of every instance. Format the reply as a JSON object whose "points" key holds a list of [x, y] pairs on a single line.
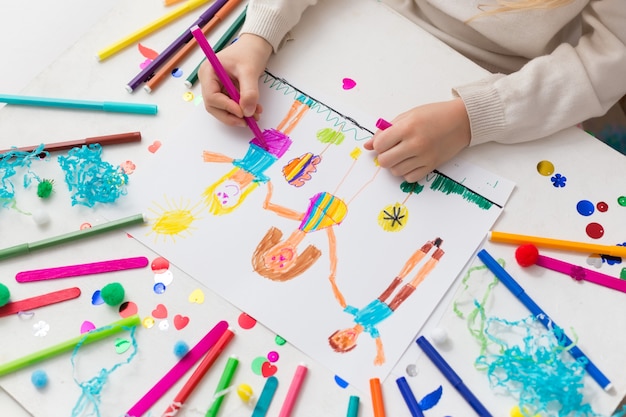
{"points": [[267, 369], [160, 312], [180, 321], [155, 146]]}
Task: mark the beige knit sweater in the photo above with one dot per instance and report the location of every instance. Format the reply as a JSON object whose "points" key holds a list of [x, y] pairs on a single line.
{"points": [[551, 69]]}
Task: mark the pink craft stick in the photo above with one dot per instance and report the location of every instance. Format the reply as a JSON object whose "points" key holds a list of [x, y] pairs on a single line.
{"points": [[82, 269], [580, 273], [177, 372], [39, 301]]}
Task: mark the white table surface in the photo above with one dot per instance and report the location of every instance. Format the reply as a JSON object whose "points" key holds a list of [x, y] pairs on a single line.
{"points": [[392, 77]]}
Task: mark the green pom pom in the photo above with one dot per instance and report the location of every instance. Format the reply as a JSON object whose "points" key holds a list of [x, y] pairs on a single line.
{"points": [[5, 294], [44, 189], [112, 294]]}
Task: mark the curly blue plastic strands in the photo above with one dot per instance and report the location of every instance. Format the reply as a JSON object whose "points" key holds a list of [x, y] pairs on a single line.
{"points": [[92, 389], [532, 365], [91, 179], [10, 162]]}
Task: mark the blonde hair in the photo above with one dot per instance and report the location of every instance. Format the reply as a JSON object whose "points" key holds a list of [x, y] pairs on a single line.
{"points": [[504, 6]]}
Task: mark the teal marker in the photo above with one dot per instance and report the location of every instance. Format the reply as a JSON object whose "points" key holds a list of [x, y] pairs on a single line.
{"points": [[353, 406], [24, 248], [263, 404], [107, 106], [222, 385]]}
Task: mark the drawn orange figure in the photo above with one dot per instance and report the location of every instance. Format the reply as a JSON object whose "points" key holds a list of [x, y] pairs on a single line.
{"points": [[279, 259], [367, 319]]}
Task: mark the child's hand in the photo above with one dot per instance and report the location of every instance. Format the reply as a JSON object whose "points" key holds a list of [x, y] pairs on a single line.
{"points": [[244, 61], [422, 138]]}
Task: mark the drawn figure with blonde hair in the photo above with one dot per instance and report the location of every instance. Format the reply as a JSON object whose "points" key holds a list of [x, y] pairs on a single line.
{"points": [[367, 319], [278, 259]]}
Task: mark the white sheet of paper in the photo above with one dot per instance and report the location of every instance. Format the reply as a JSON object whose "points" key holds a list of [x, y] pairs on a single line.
{"points": [[217, 249]]}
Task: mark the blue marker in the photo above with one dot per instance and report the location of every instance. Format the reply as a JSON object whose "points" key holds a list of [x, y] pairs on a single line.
{"points": [[107, 106], [549, 324], [263, 404], [452, 376], [409, 398]]}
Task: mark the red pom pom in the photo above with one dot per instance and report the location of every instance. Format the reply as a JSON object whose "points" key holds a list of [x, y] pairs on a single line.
{"points": [[526, 255]]}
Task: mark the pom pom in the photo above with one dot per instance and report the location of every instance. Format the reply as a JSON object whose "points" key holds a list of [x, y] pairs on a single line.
{"points": [[245, 392], [45, 188], [41, 218], [112, 294], [180, 349], [439, 335], [526, 255], [5, 294], [39, 379]]}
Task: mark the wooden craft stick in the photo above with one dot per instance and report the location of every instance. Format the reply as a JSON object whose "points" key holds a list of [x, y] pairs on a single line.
{"points": [[39, 301], [82, 269]]}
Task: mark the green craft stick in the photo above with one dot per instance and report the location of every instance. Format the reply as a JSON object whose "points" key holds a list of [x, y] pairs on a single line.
{"points": [[25, 248], [90, 337], [219, 45]]}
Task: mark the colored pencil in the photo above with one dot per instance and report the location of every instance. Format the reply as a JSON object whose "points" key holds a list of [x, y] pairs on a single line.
{"points": [[219, 45], [222, 385], [25, 248], [452, 377], [102, 140], [226, 81], [82, 269], [149, 28], [199, 373], [172, 63], [378, 403], [542, 317], [184, 38], [43, 300], [543, 242], [178, 371], [52, 351], [293, 391], [106, 106]]}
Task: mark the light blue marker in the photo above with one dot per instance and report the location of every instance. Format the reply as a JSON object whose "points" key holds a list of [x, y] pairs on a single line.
{"points": [[108, 106]]}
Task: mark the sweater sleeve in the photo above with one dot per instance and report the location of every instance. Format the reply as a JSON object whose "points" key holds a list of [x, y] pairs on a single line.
{"points": [[555, 91], [273, 19]]}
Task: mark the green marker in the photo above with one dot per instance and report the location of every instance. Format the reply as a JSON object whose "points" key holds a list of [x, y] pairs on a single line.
{"points": [[222, 385], [90, 337], [25, 248], [219, 45]]}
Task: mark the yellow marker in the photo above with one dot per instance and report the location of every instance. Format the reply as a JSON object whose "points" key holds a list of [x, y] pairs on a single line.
{"points": [[149, 28]]}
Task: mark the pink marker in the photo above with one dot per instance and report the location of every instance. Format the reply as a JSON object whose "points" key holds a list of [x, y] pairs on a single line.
{"points": [[178, 371], [225, 79], [81, 269], [294, 390]]}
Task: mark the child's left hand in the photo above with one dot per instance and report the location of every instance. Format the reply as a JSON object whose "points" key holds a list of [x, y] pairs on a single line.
{"points": [[422, 139]]}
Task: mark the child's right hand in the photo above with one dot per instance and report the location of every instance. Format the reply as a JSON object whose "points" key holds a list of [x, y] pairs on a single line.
{"points": [[244, 61]]}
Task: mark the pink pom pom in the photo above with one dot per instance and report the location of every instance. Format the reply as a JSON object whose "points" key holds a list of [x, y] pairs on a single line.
{"points": [[526, 255]]}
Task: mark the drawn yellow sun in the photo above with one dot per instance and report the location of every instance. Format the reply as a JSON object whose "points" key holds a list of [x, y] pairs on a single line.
{"points": [[174, 220]]}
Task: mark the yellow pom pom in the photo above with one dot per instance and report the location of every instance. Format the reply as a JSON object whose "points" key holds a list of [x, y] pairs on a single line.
{"points": [[245, 393]]}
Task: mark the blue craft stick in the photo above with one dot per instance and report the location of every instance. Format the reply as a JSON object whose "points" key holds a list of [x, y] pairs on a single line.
{"points": [[353, 406], [409, 398], [452, 376], [549, 324], [107, 106]]}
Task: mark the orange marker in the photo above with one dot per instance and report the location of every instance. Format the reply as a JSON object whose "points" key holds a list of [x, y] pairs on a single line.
{"points": [[377, 397]]}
